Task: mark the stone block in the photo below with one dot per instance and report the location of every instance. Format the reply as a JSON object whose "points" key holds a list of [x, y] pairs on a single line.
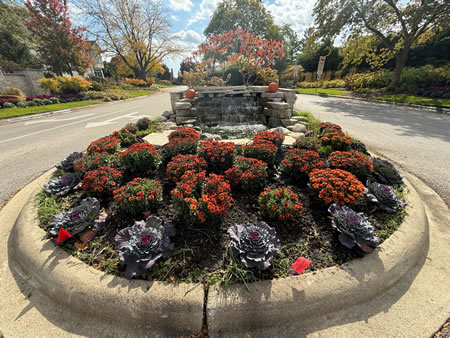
{"points": [[257, 89], [182, 105], [299, 118], [298, 128], [283, 114], [166, 114], [275, 99], [277, 105], [186, 112], [287, 123], [181, 119], [272, 95], [274, 122], [296, 135]]}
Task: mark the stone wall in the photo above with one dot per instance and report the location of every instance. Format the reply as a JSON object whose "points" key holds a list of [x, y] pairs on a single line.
{"points": [[25, 79], [237, 104]]}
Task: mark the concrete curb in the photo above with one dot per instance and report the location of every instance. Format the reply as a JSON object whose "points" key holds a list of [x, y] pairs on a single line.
{"points": [[440, 110], [283, 302], [167, 309], [159, 307]]}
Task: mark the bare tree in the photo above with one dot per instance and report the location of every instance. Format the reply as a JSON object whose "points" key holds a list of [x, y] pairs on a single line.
{"points": [[136, 30]]}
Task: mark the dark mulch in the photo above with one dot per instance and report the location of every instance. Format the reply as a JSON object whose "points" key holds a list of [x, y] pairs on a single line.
{"points": [[201, 249]]}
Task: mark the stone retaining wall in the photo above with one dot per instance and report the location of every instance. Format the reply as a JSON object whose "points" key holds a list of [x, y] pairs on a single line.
{"points": [[24, 79], [237, 104]]}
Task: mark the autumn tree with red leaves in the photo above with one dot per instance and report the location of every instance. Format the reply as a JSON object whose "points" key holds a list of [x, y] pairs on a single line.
{"points": [[238, 47], [62, 48]]}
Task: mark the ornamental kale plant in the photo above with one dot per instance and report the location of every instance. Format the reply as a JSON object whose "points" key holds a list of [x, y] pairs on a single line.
{"points": [[62, 185], [384, 196], [255, 244], [68, 162], [386, 172], [354, 228], [79, 218], [142, 244]]}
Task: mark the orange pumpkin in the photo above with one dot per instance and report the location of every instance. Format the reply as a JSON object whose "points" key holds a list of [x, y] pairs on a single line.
{"points": [[190, 93], [273, 87]]}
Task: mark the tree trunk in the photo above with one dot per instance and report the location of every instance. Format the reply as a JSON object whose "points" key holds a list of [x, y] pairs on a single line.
{"points": [[140, 74], [401, 59]]}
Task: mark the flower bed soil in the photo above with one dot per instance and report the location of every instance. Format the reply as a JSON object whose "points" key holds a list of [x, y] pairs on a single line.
{"points": [[202, 251]]}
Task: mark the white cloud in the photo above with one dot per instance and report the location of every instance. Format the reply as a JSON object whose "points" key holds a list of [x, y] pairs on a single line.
{"points": [[181, 5], [205, 10], [298, 14], [189, 41], [189, 37]]}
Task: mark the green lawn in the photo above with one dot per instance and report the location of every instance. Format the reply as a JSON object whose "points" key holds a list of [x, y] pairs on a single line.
{"points": [[322, 91], [139, 93], [14, 112], [424, 101]]}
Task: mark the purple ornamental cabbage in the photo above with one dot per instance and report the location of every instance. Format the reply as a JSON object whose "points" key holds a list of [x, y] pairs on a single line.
{"points": [[67, 163], [386, 172], [385, 197], [255, 244], [142, 244], [62, 185], [354, 228], [78, 218]]}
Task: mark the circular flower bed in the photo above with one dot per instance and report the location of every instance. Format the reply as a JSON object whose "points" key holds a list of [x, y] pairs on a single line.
{"points": [[219, 214]]}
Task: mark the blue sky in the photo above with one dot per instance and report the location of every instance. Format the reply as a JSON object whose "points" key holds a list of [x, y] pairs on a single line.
{"points": [[189, 18]]}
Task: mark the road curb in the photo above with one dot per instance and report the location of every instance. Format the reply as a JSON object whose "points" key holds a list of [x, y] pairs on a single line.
{"points": [[440, 110], [285, 301], [168, 309], [159, 307]]}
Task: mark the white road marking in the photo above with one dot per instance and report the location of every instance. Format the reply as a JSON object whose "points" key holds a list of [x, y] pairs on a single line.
{"points": [[110, 121], [66, 125], [57, 120]]}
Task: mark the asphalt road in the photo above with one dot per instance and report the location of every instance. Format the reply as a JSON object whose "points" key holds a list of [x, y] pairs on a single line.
{"points": [[31, 147], [417, 140]]}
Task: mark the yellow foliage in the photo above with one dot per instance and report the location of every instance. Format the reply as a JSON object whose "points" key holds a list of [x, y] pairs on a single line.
{"points": [[65, 84], [16, 92]]}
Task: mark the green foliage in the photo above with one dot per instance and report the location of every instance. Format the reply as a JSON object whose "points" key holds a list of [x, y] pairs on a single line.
{"points": [[323, 84], [379, 79], [249, 15], [325, 150], [14, 50]]}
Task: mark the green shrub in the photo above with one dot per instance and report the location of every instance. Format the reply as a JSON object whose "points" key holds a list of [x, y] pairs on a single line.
{"points": [[323, 84], [165, 83], [47, 101], [21, 104], [379, 79], [143, 123], [38, 102], [54, 100], [139, 195], [140, 158], [9, 105]]}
